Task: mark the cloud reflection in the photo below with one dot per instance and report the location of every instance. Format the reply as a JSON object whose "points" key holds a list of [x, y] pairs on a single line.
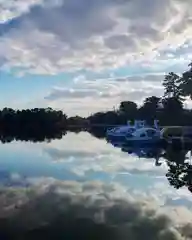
{"points": [[130, 200], [91, 210]]}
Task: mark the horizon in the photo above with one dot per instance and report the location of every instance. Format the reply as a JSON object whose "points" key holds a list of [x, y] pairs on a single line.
{"points": [[45, 60]]}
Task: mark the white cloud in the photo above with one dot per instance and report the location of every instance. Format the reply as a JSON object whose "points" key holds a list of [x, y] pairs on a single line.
{"points": [[100, 157], [12, 9], [94, 159], [95, 35], [105, 210], [85, 97]]}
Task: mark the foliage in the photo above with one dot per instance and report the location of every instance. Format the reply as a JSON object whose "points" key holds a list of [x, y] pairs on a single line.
{"points": [[171, 85], [186, 82], [31, 124]]}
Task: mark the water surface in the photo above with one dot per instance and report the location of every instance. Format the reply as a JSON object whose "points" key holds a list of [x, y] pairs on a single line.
{"points": [[82, 165]]}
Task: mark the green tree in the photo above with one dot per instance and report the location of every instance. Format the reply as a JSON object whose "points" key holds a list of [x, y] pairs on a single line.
{"points": [[186, 82], [171, 85], [128, 109], [172, 104], [148, 110], [151, 103]]}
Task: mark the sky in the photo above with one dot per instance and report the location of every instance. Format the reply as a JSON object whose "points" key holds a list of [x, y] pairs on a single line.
{"points": [[84, 56]]}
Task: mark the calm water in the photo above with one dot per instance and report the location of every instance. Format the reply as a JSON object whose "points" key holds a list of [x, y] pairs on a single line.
{"points": [[84, 167]]}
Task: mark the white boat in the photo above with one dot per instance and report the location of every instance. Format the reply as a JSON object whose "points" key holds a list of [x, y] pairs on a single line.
{"points": [[120, 133], [144, 136]]}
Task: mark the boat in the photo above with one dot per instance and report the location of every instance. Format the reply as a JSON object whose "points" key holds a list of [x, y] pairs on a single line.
{"points": [[120, 133], [143, 137]]}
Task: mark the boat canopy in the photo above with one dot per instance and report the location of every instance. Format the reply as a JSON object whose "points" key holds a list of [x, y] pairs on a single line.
{"points": [[146, 132]]}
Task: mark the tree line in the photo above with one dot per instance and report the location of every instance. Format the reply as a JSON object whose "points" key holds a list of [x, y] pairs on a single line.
{"points": [[38, 124], [169, 109], [46, 123]]}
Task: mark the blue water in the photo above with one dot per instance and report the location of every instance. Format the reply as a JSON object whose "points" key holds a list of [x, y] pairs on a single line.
{"points": [[80, 164], [81, 157]]}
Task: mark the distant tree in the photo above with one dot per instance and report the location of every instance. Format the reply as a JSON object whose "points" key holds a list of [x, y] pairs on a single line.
{"points": [[172, 113], [149, 109], [172, 104], [105, 118], [186, 82], [128, 106], [129, 109], [36, 124], [151, 103], [173, 100], [171, 85]]}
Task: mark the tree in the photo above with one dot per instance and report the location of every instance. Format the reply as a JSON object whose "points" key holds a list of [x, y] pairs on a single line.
{"points": [[173, 100], [172, 86], [128, 106], [172, 104], [129, 109], [148, 110], [186, 82], [151, 103]]}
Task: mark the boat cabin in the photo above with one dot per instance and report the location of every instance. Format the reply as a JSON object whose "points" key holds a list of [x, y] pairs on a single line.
{"points": [[146, 133], [123, 130]]}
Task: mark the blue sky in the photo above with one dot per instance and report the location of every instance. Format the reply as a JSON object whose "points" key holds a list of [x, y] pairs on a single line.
{"points": [[79, 51]]}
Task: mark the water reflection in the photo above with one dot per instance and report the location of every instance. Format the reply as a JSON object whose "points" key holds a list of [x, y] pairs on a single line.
{"points": [[46, 134], [33, 136], [179, 161], [82, 186]]}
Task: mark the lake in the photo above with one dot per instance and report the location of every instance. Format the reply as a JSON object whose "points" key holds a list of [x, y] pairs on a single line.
{"points": [[83, 177]]}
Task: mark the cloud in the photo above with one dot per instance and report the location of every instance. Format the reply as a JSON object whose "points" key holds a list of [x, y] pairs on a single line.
{"points": [[47, 38], [57, 154], [86, 96], [12, 9], [93, 161], [107, 88], [86, 210], [79, 144]]}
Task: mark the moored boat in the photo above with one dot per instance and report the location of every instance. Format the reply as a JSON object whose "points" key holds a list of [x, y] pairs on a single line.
{"points": [[120, 133], [144, 136]]}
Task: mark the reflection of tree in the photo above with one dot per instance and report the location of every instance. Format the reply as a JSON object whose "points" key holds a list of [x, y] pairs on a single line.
{"points": [[173, 155], [36, 136], [38, 124], [179, 175], [179, 170], [98, 132]]}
